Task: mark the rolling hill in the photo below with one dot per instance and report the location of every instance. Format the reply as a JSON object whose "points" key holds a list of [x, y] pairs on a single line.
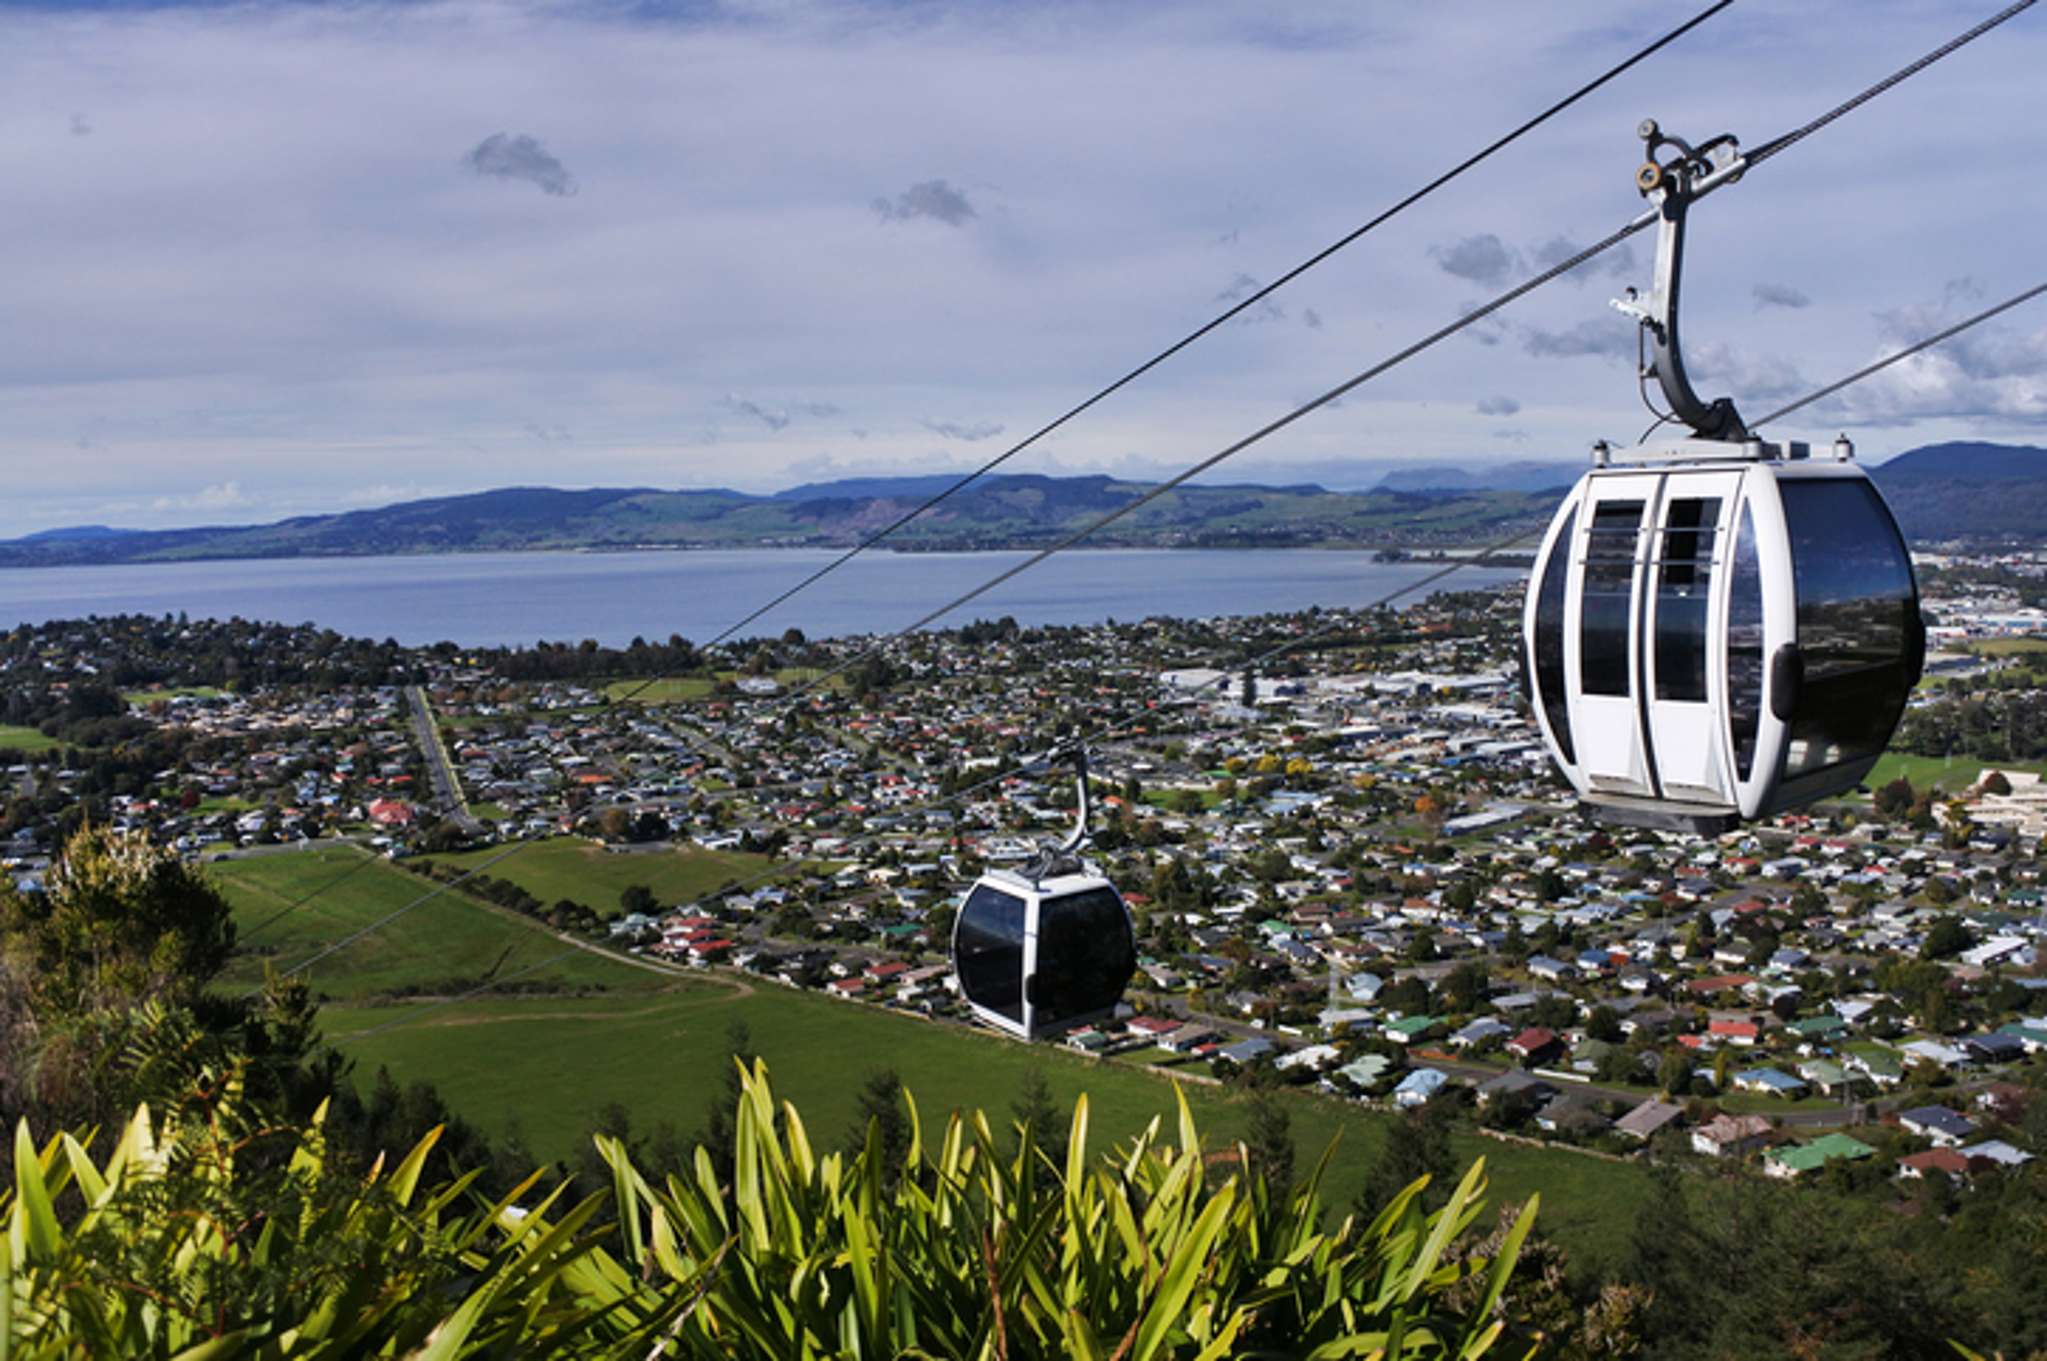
{"points": [[1960, 491]]}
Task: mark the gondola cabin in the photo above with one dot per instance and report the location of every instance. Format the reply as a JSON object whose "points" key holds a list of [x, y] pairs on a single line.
{"points": [[1038, 956], [1719, 631]]}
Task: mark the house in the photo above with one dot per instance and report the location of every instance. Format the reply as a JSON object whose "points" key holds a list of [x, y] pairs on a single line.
{"points": [[2030, 1034], [1408, 1029], [1549, 970], [1153, 1028], [1796, 1160], [1645, 1120], [1814, 1030], [1366, 1071], [1825, 1075], [1945, 1127], [1735, 1032], [1479, 1031], [1995, 1047], [1731, 1136], [1247, 1051], [1997, 1153], [1418, 1086], [1511, 1084], [1881, 1066], [1947, 1162], [1769, 1081], [1569, 1113], [1187, 1039], [1934, 1052], [1537, 1044]]}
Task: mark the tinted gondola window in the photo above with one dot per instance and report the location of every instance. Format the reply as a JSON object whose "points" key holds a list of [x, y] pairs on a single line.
{"points": [[1608, 599], [1085, 955], [988, 950], [1744, 645], [1684, 571], [1855, 606], [1549, 638]]}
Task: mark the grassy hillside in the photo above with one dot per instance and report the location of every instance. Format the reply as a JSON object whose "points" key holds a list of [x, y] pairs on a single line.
{"points": [[570, 867], [447, 944], [548, 1063], [656, 1042]]}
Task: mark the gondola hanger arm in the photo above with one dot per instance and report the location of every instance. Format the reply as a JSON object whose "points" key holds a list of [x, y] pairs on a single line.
{"points": [[1672, 183]]}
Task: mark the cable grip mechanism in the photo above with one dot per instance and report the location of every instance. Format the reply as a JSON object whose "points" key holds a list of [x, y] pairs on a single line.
{"points": [[1673, 175]]}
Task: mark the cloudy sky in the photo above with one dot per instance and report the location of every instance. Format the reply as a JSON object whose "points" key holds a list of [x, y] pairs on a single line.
{"points": [[273, 259]]}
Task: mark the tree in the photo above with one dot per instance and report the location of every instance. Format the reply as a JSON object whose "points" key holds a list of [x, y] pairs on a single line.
{"points": [[1895, 800], [1604, 1024], [1269, 1144], [1674, 1072], [1464, 987], [122, 922], [721, 1121], [636, 898], [1946, 937], [880, 1115], [1038, 1118], [1417, 1145]]}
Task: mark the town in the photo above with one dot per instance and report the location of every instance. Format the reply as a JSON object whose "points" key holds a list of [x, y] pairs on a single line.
{"points": [[1347, 862]]}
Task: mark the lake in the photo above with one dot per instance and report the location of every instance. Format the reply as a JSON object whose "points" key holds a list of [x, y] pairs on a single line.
{"points": [[497, 599]]}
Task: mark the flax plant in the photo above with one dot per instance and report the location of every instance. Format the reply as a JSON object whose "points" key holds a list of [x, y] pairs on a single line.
{"points": [[204, 1236]]}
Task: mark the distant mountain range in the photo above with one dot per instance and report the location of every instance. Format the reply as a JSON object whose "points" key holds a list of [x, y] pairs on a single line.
{"points": [[1940, 492]]}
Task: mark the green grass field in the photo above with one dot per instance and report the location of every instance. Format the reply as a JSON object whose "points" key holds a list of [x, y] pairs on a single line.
{"points": [[662, 690], [549, 1063], [1950, 773], [448, 943], [173, 692], [656, 1042], [570, 867], [684, 689], [24, 739], [2007, 647]]}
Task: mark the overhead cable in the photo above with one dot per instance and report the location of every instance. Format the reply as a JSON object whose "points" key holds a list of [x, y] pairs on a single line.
{"points": [[1243, 305], [1830, 389], [1903, 73]]}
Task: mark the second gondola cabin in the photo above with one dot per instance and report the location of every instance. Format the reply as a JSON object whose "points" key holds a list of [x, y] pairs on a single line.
{"points": [[1037, 956], [1716, 632]]}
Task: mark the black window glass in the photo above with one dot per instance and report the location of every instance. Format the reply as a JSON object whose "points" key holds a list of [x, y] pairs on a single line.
{"points": [[1549, 638], [1856, 600], [1744, 645], [1684, 572], [1085, 955], [987, 947], [1607, 601]]}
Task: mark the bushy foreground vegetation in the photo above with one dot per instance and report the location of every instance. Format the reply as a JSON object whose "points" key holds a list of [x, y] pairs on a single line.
{"points": [[202, 1233]]}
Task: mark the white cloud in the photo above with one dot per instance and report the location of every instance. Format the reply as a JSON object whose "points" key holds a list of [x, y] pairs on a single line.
{"points": [[222, 496], [269, 266]]}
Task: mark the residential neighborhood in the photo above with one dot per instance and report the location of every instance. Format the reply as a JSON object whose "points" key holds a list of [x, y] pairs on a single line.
{"points": [[1349, 867]]}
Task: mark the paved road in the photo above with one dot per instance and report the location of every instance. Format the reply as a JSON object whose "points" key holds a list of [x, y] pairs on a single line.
{"points": [[440, 770]]}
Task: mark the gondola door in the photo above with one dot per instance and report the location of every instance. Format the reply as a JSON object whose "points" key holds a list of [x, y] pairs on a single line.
{"points": [[1683, 635], [1603, 632]]}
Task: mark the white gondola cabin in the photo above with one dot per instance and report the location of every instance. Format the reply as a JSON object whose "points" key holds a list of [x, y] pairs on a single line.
{"points": [[1714, 641], [1717, 628], [1048, 948]]}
